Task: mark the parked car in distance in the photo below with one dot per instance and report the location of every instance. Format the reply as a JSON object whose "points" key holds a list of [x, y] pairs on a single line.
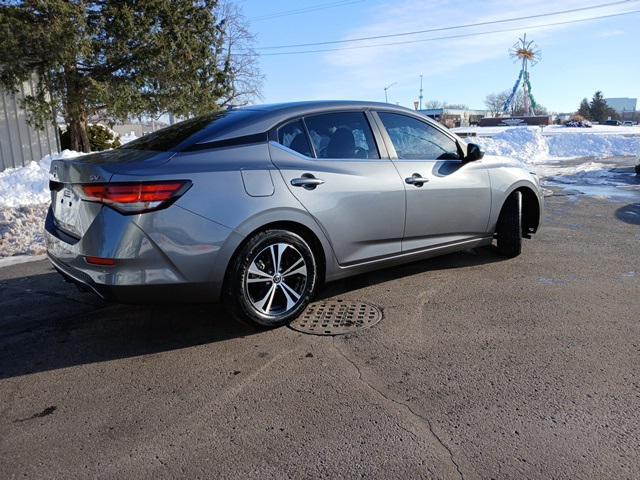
{"points": [[579, 124], [629, 123], [615, 123], [259, 206]]}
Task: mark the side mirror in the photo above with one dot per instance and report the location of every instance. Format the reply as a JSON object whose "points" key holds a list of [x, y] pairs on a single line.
{"points": [[474, 152]]}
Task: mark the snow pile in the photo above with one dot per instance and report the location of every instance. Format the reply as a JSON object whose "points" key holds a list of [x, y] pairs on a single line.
{"points": [[523, 144], [568, 160], [29, 185], [551, 130], [593, 145], [24, 200], [531, 146], [21, 230]]}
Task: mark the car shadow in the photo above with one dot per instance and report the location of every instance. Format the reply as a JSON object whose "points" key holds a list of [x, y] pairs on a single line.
{"points": [[47, 324], [629, 213], [467, 258]]}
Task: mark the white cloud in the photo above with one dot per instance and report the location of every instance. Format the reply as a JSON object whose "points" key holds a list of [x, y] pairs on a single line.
{"points": [[611, 33], [369, 69]]}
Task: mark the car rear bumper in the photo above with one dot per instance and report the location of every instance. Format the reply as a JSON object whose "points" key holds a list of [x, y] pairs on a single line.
{"points": [[135, 294], [166, 265]]}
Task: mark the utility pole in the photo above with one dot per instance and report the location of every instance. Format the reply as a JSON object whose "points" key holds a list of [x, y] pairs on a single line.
{"points": [[386, 97], [420, 97]]}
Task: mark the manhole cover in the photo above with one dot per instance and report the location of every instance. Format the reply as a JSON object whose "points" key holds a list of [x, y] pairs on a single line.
{"points": [[336, 317]]}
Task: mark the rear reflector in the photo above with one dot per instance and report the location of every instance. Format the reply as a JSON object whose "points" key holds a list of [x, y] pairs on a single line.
{"points": [[103, 262], [136, 197]]}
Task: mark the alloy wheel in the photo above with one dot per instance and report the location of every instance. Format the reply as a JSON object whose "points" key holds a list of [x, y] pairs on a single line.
{"points": [[276, 279]]}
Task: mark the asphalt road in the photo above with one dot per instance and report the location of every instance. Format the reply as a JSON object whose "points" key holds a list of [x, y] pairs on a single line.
{"points": [[481, 368]]}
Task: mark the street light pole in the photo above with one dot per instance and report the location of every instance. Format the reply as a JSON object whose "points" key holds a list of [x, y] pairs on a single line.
{"points": [[386, 98]]}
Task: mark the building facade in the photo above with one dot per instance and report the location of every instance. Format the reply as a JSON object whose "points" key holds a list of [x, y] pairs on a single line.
{"points": [[20, 143], [625, 106], [138, 129], [452, 117]]}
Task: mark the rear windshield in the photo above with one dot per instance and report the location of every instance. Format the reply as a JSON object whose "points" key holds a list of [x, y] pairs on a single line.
{"points": [[170, 137]]}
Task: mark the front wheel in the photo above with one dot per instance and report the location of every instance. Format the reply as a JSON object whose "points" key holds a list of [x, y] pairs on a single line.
{"points": [[272, 279], [509, 227]]}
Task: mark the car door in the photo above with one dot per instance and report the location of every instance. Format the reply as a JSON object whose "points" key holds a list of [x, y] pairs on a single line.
{"points": [[448, 200], [332, 165]]}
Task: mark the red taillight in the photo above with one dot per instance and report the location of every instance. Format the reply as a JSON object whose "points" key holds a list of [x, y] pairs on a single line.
{"points": [[103, 262], [135, 197]]}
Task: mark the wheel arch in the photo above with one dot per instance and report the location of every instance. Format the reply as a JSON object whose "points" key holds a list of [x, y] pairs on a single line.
{"points": [[305, 232], [531, 208], [299, 224]]}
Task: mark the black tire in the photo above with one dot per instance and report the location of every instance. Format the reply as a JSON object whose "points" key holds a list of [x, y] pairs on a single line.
{"points": [[243, 299], [509, 228]]}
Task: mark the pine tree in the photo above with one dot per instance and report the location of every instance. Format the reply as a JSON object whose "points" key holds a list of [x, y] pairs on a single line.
{"points": [[124, 58], [584, 110], [598, 107]]}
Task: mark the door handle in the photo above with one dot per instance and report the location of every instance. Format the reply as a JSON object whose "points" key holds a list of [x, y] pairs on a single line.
{"points": [[416, 179], [307, 181]]}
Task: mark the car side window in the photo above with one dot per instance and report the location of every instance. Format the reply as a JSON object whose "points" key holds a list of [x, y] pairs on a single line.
{"points": [[416, 140], [293, 136], [342, 135]]}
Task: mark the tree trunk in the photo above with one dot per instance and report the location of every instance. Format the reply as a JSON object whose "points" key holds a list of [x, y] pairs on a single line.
{"points": [[75, 114], [78, 136]]}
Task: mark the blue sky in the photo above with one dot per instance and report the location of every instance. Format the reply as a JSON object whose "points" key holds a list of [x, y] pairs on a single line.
{"points": [[577, 59]]}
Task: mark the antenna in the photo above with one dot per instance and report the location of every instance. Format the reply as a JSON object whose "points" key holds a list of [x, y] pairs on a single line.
{"points": [[420, 96]]}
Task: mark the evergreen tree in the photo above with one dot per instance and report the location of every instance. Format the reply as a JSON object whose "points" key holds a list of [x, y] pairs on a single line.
{"points": [[124, 58], [584, 110], [598, 108], [612, 114]]}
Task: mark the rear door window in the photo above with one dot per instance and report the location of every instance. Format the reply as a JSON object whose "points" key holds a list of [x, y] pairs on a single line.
{"points": [[417, 140], [293, 136], [342, 135]]}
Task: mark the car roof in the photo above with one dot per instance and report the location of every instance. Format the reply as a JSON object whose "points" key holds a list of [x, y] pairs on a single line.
{"points": [[257, 119], [318, 105]]}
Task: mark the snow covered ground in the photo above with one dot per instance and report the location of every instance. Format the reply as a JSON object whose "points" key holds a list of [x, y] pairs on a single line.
{"points": [[588, 163], [550, 130], [532, 146], [594, 161], [29, 185], [24, 200]]}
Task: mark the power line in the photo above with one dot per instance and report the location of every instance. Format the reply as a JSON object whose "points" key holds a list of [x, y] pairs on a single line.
{"points": [[310, 8], [449, 37], [440, 29]]}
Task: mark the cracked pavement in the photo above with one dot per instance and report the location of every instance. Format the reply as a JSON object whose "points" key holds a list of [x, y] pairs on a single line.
{"points": [[481, 368]]}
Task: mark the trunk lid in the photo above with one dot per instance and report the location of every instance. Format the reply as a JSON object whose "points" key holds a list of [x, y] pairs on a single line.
{"points": [[74, 215]]}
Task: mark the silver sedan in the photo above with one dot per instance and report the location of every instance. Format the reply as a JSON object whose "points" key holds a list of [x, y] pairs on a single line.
{"points": [[259, 206]]}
